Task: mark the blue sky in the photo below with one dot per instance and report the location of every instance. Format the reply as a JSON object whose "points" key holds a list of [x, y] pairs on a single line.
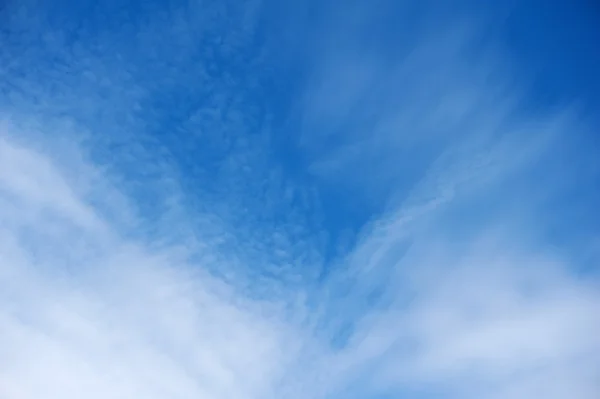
{"points": [[318, 199]]}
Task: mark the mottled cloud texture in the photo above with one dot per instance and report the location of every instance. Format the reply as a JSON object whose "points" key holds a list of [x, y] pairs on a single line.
{"points": [[158, 241]]}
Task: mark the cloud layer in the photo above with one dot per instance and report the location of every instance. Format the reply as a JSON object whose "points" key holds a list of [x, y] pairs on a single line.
{"points": [[158, 240]]}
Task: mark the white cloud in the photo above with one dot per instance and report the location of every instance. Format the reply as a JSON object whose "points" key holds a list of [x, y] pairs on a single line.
{"points": [[454, 291], [86, 312], [438, 296], [484, 319]]}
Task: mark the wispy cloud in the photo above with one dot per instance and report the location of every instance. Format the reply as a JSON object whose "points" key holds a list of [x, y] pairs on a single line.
{"points": [[89, 312], [454, 291], [153, 243]]}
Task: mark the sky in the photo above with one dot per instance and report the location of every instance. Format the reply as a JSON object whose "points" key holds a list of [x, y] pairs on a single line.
{"points": [[299, 199]]}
